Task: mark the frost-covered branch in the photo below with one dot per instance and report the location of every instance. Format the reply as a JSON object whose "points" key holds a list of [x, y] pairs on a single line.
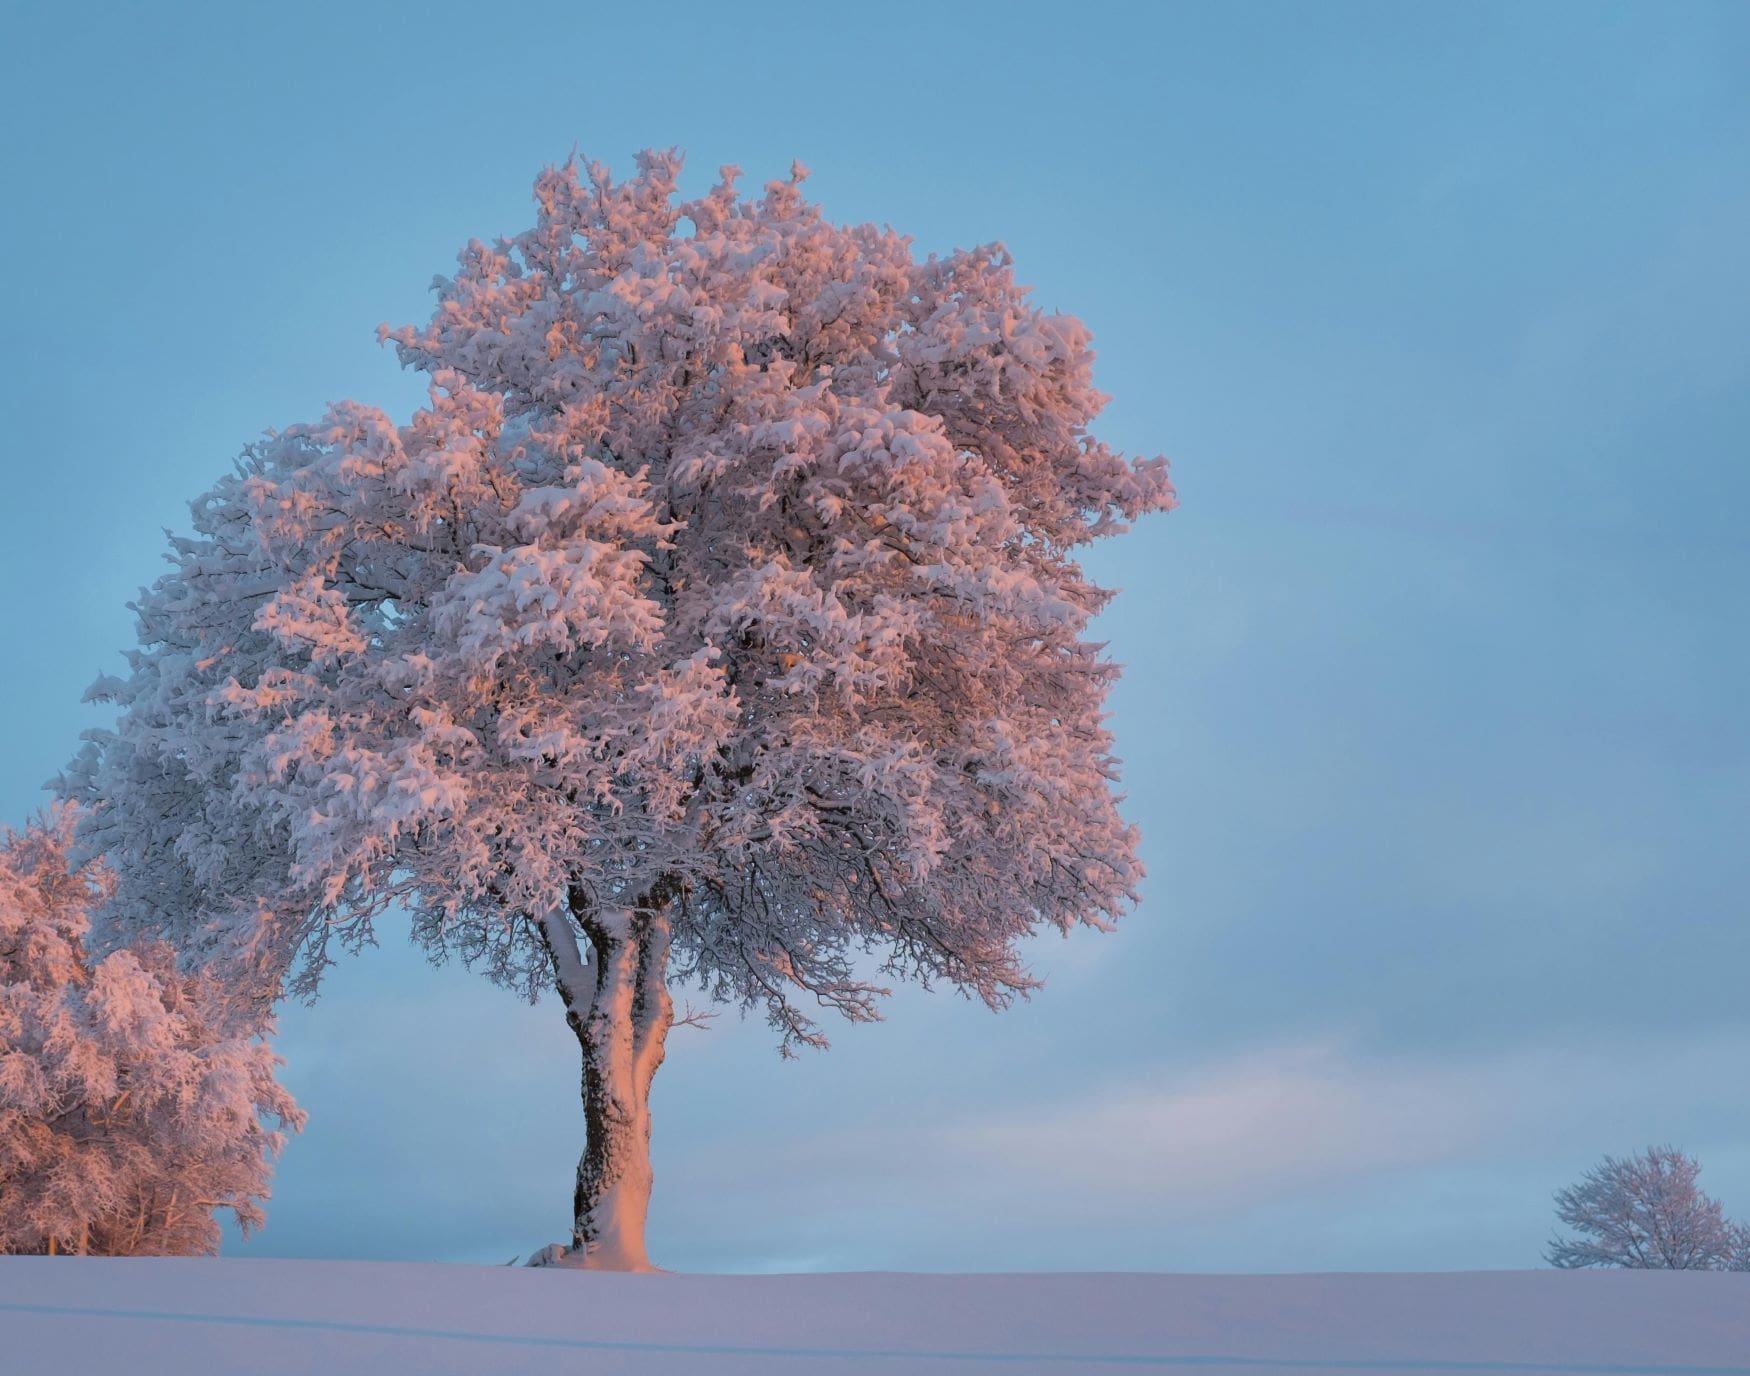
{"points": [[572, 975]]}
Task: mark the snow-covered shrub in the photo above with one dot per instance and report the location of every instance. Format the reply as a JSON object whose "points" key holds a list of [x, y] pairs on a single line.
{"points": [[1645, 1212], [126, 1118]]}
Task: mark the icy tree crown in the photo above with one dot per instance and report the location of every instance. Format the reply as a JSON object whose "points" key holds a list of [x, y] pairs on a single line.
{"points": [[729, 564]]}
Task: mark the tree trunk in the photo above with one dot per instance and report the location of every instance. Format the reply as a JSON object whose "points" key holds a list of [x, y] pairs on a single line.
{"points": [[619, 1009]]}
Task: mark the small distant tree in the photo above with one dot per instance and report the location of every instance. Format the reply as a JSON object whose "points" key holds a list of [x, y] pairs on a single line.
{"points": [[1645, 1212], [126, 1119], [1738, 1258], [719, 620]]}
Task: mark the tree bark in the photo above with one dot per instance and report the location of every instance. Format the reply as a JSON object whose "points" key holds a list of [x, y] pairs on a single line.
{"points": [[618, 1007]]}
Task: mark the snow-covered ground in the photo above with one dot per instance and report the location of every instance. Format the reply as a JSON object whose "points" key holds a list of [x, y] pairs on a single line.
{"points": [[170, 1317]]}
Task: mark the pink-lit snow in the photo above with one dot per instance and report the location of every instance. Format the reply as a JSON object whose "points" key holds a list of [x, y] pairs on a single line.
{"points": [[165, 1317]]}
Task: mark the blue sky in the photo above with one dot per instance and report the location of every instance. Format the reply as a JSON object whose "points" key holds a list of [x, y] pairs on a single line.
{"points": [[1433, 715]]}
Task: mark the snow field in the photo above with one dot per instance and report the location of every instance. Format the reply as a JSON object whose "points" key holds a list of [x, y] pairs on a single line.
{"points": [[168, 1317]]}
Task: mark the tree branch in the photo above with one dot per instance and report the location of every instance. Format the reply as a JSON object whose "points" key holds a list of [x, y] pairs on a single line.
{"points": [[571, 973]]}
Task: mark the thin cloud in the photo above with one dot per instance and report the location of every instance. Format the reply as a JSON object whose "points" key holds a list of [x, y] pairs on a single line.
{"points": [[1204, 1143]]}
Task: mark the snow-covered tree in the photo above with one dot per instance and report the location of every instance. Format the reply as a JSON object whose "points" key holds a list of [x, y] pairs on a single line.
{"points": [[1644, 1212], [717, 621], [126, 1117], [1738, 1247]]}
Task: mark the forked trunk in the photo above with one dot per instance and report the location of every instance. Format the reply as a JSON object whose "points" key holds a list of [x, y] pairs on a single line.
{"points": [[619, 1008]]}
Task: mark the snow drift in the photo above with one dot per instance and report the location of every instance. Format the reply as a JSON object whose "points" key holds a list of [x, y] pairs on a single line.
{"points": [[166, 1317]]}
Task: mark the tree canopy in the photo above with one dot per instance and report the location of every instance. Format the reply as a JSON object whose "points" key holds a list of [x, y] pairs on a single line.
{"points": [[126, 1116], [1647, 1213]]}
